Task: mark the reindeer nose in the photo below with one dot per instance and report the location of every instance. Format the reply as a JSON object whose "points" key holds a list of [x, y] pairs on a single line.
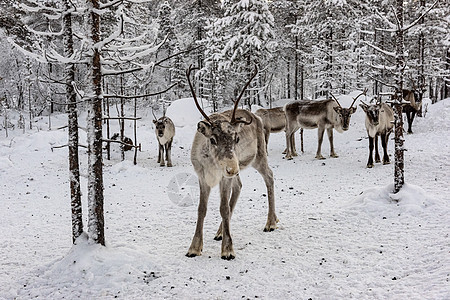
{"points": [[231, 171]]}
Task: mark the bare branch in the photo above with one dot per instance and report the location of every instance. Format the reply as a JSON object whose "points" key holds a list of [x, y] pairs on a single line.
{"points": [[139, 96]]}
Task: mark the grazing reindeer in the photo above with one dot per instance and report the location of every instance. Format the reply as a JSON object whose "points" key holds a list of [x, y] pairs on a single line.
{"points": [[165, 131], [322, 114], [273, 119], [224, 144], [379, 122], [128, 142]]}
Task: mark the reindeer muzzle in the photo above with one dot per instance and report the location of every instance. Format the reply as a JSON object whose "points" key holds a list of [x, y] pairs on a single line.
{"points": [[230, 168]]}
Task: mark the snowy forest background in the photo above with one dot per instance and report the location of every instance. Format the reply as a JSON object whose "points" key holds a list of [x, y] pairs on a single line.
{"points": [[98, 62], [303, 49]]}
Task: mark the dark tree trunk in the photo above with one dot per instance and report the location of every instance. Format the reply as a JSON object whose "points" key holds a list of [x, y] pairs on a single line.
{"points": [[74, 169], [96, 224], [399, 172]]}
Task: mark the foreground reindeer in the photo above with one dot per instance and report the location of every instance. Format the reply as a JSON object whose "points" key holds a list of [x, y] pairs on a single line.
{"points": [[379, 122], [224, 144], [273, 119], [165, 131], [322, 114]]}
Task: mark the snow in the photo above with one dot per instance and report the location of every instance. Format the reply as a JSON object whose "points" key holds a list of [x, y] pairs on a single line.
{"points": [[342, 233]]}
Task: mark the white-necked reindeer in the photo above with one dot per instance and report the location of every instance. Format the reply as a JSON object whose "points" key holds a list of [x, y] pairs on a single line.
{"points": [[165, 131], [321, 114], [224, 144], [379, 122]]}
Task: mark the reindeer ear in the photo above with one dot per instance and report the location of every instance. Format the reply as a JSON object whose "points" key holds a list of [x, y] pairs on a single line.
{"points": [[353, 109], [155, 121], [204, 128], [337, 109]]}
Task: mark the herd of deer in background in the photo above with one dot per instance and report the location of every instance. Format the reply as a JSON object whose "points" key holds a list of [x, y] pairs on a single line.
{"points": [[228, 142]]}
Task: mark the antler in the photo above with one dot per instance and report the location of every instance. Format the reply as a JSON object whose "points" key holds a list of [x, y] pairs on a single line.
{"points": [[236, 102], [188, 74], [363, 93], [335, 99], [153, 113]]}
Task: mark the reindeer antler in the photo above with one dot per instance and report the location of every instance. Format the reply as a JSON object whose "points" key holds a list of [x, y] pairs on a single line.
{"points": [[236, 102], [153, 113], [335, 99], [188, 74], [363, 93]]}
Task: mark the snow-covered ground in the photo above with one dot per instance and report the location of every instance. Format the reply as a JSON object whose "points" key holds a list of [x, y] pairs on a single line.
{"points": [[341, 233]]}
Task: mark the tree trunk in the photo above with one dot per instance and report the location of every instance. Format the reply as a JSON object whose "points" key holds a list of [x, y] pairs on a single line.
{"points": [[95, 172], [74, 169], [399, 174]]}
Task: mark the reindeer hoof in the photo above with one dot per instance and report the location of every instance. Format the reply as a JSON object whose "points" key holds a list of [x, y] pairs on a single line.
{"points": [[191, 255], [229, 256], [269, 229], [218, 238], [334, 155], [288, 157], [369, 166], [169, 164], [386, 162], [320, 157], [162, 165]]}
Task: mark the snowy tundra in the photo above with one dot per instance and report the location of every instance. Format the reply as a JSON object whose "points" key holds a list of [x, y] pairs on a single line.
{"points": [[342, 234]]}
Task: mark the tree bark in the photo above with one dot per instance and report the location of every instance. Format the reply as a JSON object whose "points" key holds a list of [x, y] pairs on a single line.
{"points": [[96, 222], [74, 169], [399, 174]]}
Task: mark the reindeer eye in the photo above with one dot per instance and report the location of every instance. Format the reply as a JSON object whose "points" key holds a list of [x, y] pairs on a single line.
{"points": [[236, 139], [213, 141]]}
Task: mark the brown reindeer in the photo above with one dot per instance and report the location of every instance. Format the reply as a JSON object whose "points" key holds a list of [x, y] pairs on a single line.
{"points": [[321, 114], [225, 144]]}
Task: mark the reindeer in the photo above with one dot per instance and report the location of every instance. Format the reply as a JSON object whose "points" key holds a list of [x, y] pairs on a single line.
{"points": [[128, 142], [273, 119], [379, 122], [415, 104], [225, 144], [165, 131], [322, 114]]}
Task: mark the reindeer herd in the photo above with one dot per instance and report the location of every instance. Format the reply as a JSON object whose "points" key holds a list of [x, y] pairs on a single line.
{"points": [[228, 142]]}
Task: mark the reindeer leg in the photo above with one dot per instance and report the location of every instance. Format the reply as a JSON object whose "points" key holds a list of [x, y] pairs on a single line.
{"points": [[413, 114], [266, 138], [409, 119], [235, 191], [288, 145], [169, 153], [370, 161], [197, 241], [161, 155], [294, 149], [330, 139], [320, 132], [384, 142], [225, 212], [377, 154], [262, 167]]}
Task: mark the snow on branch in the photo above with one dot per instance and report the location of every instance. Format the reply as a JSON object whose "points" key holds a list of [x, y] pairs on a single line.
{"points": [[405, 28], [387, 53], [139, 96]]}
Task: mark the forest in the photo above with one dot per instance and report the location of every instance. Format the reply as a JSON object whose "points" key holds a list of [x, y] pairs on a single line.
{"points": [[95, 74]]}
